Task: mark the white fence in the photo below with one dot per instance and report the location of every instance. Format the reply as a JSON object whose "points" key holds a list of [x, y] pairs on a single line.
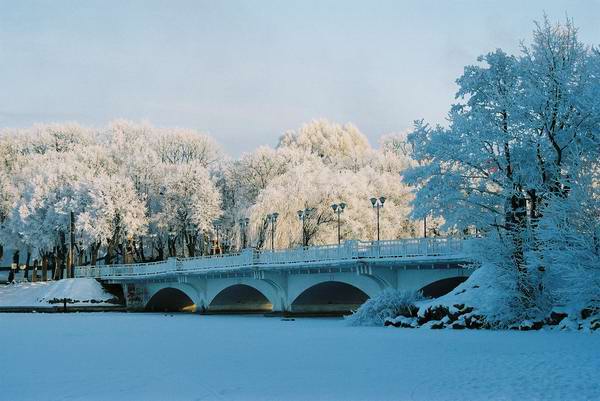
{"points": [[418, 249]]}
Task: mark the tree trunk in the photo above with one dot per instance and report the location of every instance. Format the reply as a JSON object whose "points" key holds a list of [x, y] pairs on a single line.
{"points": [[139, 250], [161, 253], [108, 259], [45, 267], [26, 273], [516, 222], [71, 251], [94, 253], [34, 272], [191, 245], [55, 265]]}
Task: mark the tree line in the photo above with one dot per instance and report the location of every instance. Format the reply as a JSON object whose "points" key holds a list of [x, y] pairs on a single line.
{"points": [[75, 195]]}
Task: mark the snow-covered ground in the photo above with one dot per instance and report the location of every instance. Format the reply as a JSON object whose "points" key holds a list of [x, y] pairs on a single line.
{"points": [[118, 356], [81, 291]]}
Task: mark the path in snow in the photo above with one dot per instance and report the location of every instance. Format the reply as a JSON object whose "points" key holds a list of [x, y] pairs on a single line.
{"points": [[114, 356]]}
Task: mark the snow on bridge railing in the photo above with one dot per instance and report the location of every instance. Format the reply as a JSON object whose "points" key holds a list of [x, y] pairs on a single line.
{"points": [[137, 269], [421, 248], [228, 260], [307, 254], [410, 247]]}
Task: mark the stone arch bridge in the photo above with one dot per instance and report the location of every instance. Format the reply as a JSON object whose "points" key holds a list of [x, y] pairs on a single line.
{"points": [[320, 279]]}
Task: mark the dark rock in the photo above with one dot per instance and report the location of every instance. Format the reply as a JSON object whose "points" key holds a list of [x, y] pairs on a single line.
{"points": [[458, 326], [468, 309], [474, 321], [114, 301], [587, 312], [526, 326], [399, 322], [438, 312], [62, 300], [437, 326], [459, 306], [555, 318], [409, 311], [475, 286], [595, 325], [452, 317]]}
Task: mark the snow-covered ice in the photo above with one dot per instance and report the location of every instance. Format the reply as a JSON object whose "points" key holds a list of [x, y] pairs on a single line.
{"points": [[118, 356], [38, 294]]}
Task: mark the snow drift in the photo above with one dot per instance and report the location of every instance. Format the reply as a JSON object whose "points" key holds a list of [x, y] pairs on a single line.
{"points": [[77, 291]]}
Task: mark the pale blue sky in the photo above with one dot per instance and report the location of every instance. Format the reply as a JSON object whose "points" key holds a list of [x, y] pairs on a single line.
{"points": [[245, 71]]}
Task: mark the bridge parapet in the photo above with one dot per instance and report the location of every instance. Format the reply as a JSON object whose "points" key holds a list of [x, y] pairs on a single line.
{"points": [[407, 249]]}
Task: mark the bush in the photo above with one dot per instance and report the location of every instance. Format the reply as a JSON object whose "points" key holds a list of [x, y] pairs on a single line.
{"points": [[389, 304]]}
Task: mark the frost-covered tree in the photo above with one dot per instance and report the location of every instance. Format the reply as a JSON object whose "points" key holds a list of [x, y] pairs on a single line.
{"points": [[185, 146], [112, 215], [341, 145], [512, 150], [189, 204], [119, 183], [316, 186]]}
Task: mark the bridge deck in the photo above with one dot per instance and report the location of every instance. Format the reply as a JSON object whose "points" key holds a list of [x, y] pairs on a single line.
{"points": [[400, 252]]}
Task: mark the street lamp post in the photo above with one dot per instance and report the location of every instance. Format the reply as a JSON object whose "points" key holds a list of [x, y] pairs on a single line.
{"points": [[377, 204], [243, 227], [272, 218], [338, 209], [304, 215]]}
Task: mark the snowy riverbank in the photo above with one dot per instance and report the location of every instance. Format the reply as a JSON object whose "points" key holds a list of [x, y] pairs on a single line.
{"points": [[474, 304], [116, 356], [78, 292]]}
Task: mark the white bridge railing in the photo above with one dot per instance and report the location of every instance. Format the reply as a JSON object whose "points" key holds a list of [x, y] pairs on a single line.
{"points": [[417, 249]]}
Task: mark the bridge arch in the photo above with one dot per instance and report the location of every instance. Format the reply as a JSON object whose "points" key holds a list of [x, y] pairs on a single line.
{"points": [[329, 296], [171, 299], [243, 295], [341, 292], [442, 287]]}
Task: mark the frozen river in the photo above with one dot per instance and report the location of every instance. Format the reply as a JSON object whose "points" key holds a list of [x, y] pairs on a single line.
{"points": [[115, 356]]}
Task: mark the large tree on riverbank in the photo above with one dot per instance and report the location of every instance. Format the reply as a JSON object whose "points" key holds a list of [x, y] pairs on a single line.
{"points": [[522, 139]]}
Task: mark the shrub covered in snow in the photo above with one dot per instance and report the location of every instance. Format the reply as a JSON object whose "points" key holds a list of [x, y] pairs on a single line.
{"points": [[388, 304]]}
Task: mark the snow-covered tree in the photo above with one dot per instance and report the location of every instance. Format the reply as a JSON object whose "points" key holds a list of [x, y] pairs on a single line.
{"points": [[512, 150], [120, 184], [341, 145], [112, 215], [190, 203], [316, 186]]}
